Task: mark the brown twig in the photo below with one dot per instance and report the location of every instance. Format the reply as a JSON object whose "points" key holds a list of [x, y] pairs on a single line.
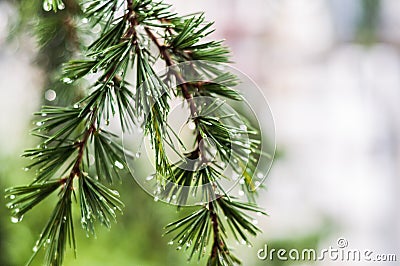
{"points": [[215, 226], [76, 168], [169, 61]]}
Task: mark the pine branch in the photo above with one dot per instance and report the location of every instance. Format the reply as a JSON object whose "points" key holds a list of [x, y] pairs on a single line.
{"points": [[206, 126], [59, 230], [72, 134], [168, 59], [197, 229]]}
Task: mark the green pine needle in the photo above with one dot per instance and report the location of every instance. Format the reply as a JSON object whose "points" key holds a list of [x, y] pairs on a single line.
{"points": [[118, 71]]}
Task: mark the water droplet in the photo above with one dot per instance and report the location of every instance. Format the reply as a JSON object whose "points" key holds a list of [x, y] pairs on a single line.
{"points": [[12, 197], [150, 177], [76, 106], [191, 125], [35, 249], [243, 127], [259, 213], [48, 241], [235, 176], [119, 165], [67, 80], [260, 176], [255, 222], [44, 114], [148, 92], [115, 193], [85, 20], [47, 5], [180, 241], [173, 196], [39, 123], [257, 183], [137, 155], [17, 219], [96, 29], [91, 159], [179, 247], [50, 95], [170, 242], [60, 5], [155, 199], [241, 193], [241, 181], [243, 242]]}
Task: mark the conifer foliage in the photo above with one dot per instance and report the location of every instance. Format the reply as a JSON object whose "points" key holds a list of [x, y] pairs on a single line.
{"points": [[78, 157]]}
